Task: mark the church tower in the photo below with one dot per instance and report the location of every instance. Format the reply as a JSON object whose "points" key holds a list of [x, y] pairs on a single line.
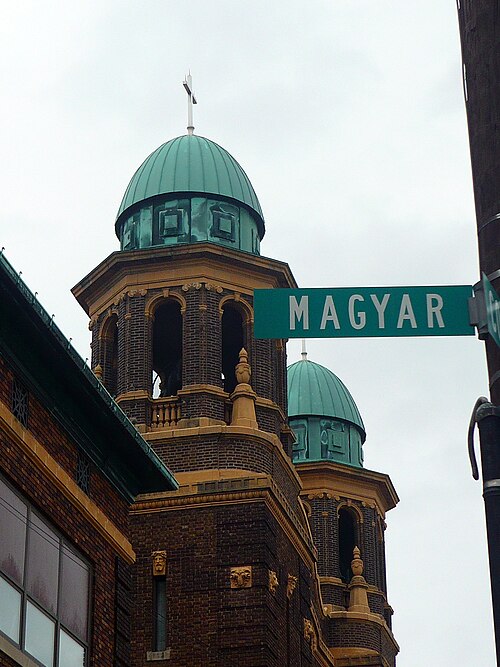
{"points": [[226, 568], [346, 505]]}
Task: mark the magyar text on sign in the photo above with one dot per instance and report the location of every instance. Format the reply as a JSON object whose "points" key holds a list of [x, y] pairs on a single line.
{"points": [[363, 312]]}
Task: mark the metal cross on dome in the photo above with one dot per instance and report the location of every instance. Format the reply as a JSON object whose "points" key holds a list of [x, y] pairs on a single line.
{"points": [[188, 86]]}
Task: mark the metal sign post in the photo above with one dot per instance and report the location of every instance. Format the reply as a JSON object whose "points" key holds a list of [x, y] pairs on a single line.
{"points": [[492, 303], [479, 23]]}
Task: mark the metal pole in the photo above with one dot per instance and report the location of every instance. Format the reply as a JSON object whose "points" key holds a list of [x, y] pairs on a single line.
{"points": [[479, 23]]}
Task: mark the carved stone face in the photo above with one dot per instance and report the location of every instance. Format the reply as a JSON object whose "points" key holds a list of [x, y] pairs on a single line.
{"points": [[309, 633], [159, 563], [241, 577], [291, 583], [273, 582]]}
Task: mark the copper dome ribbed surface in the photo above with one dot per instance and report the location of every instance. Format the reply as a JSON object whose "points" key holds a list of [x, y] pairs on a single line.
{"points": [[315, 390], [191, 164]]}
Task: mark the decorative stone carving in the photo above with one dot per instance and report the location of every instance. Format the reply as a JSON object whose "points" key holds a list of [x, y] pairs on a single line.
{"points": [[213, 288], [273, 582], [188, 286], [319, 494], [243, 370], [310, 633], [98, 372], [241, 577], [159, 563], [243, 397], [120, 298], [290, 585], [134, 292], [358, 596], [356, 563]]}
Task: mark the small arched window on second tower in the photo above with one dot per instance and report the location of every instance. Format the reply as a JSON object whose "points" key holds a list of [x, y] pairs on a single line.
{"points": [[110, 354], [233, 339], [348, 539], [167, 349]]}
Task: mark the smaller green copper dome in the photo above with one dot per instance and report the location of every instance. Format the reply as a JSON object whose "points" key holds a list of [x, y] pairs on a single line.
{"points": [[191, 165], [315, 390], [323, 415]]}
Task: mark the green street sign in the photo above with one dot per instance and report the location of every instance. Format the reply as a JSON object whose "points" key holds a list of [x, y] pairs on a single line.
{"points": [[492, 301], [345, 312]]}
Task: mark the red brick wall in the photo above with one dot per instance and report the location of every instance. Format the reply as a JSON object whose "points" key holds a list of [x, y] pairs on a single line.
{"points": [[51, 434], [208, 622], [37, 489]]}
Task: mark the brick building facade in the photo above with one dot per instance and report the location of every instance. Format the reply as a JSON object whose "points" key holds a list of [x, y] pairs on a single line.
{"points": [[70, 466]]}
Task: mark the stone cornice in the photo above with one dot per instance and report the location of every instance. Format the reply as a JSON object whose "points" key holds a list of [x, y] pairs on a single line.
{"points": [[152, 268], [337, 480], [231, 491]]}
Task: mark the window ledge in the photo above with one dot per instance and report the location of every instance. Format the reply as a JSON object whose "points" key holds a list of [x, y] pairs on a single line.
{"points": [[152, 656], [15, 653]]}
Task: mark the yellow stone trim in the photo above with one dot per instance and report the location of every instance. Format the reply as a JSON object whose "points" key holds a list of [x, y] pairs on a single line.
{"points": [[203, 263], [349, 505], [218, 391], [154, 301], [213, 475], [338, 481], [259, 489], [320, 651], [364, 617], [347, 652], [103, 333], [346, 656], [240, 304], [251, 433], [49, 467], [332, 580], [133, 396], [16, 654]]}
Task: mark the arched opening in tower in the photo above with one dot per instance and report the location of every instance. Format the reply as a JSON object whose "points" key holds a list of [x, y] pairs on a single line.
{"points": [[348, 538], [167, 349], [233, 340], [110, 355]]}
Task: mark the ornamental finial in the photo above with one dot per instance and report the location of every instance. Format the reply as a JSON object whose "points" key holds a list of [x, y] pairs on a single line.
{"points": [[356, 563]]}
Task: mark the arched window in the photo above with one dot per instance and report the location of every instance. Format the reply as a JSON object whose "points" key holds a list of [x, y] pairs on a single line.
{"points": [[348, 539], [167, 349], [233, 340], [110, 354]]}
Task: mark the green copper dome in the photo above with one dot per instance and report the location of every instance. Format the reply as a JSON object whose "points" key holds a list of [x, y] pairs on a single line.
{"points": [[323, 415], [202, 178]]}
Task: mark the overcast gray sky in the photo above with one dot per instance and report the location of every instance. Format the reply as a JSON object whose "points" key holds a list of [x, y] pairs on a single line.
{"points": [[349, 119]]}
